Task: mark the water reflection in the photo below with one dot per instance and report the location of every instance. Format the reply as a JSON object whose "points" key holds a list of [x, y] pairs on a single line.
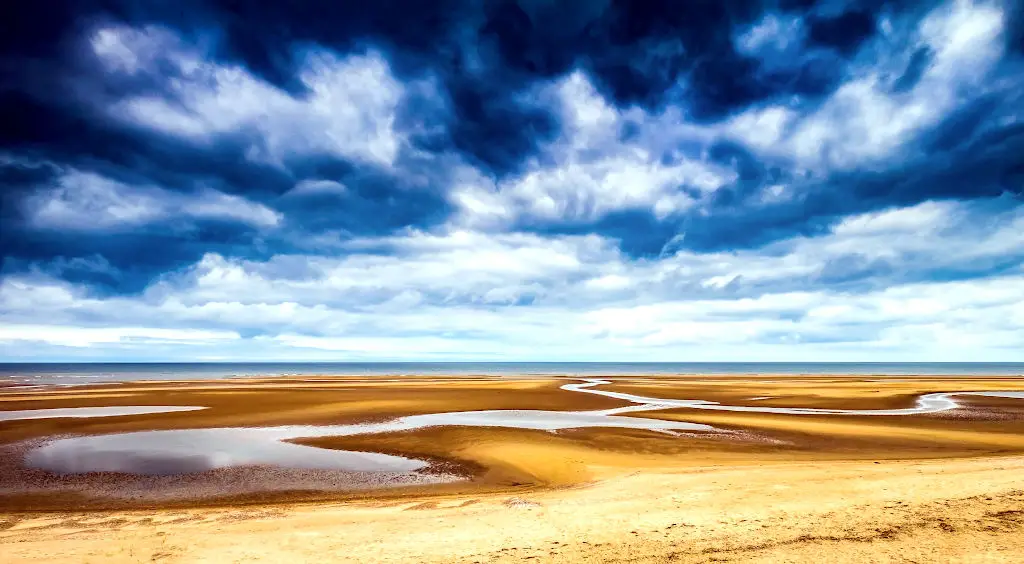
{"points": [[927, 403], [197, 450]]}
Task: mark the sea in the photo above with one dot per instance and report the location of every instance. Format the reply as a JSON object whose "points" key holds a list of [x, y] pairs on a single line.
{"points": [[89, 373]]}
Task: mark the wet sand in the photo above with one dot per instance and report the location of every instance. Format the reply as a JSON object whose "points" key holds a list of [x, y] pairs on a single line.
{"points": [[933, 486]]}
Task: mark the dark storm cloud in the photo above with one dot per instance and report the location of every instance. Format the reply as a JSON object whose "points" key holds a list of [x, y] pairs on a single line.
{"points": [[984, 169], [92, 141], [968, 158], [1015, 37], [915, 68], [844, 32], [485, 53], [489, 59], [369, 204]]}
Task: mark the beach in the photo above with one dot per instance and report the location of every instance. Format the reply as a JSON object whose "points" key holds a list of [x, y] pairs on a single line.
{"points": [[483, 468]]}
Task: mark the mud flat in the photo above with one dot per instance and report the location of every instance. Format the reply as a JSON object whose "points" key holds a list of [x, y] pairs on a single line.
{"points": [[483, 469]]}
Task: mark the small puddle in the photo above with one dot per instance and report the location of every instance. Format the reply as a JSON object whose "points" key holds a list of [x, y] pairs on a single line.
{"points": [[76, 412], [186, 451]]}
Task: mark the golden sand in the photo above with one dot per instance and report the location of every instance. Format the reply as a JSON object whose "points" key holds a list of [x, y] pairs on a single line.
{"points": [[936, 487]]}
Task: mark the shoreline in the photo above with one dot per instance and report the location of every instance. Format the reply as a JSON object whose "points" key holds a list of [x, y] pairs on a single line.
{"points": [[79, 374]]}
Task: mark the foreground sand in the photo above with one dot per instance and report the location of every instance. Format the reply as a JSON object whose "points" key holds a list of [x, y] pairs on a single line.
{"points": [[934, 488], [924, 511]]}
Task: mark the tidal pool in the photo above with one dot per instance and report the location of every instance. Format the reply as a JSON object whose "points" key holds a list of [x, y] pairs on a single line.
{"points": [[185, 451], [927, 403]]}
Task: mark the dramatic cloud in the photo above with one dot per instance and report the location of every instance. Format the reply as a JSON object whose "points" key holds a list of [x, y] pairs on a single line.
{"points": [[349, 109], [513, 180]]}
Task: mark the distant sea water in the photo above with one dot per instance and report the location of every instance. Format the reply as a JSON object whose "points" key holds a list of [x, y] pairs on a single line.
{"points": [[87, 373]]}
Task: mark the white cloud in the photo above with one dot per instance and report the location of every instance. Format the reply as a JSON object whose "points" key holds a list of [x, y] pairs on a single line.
{"points": [[925, 217], [773, 35], [133, 50], [317, 186], [85, 201], [595, 173], [863, 121], [82, 200], [587, 191], [92, 336], [349, 110], [457, 267], [588, 116], [761, 128], [210, 204], [609, 282], [966, 37], [938, 234], [450, 295]]}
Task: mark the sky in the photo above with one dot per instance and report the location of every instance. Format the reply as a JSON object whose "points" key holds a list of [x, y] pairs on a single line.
{"points": [[531, 180]]}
